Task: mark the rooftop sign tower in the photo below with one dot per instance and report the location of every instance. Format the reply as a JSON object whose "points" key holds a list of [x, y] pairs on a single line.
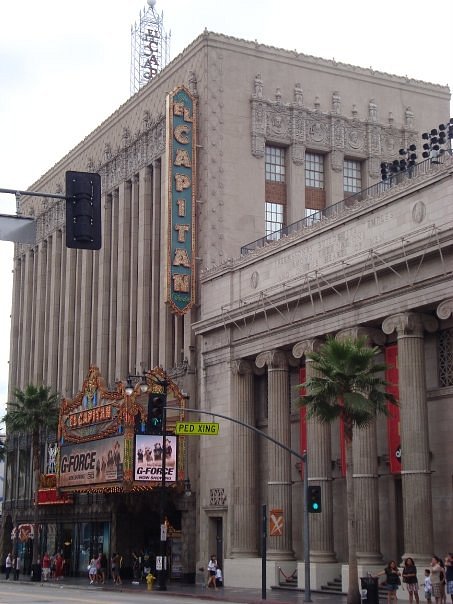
{"points": [[150, 47]]}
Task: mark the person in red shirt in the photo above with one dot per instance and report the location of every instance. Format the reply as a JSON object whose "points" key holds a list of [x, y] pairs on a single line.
{"points": [[46, 567], [58, 567]]}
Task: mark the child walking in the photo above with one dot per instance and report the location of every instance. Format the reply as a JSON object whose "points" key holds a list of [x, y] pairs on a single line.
{"points": [[428, 586]]}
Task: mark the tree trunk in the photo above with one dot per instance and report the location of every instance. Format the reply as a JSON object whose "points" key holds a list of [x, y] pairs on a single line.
{"points": [[36, 472], [353, 584]]}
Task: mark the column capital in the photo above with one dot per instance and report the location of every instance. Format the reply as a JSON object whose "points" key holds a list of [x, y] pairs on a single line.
{"points": [[305, 346], [274, 359], [241, 367], [372, 335], [409, 324], [445, 309]]}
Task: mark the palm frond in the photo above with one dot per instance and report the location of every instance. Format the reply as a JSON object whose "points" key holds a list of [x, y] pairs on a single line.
{"points": [[347, 383]]}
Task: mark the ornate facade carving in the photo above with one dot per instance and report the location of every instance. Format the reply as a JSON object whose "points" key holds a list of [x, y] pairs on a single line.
{"points": [[305, 346], [297, 126], [373, 336], [275, 359], [241, 367], [409, 323], [445, 309]]}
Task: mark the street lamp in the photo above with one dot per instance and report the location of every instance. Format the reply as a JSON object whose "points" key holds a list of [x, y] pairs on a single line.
{"points": [[130, 386], [157, 408]]}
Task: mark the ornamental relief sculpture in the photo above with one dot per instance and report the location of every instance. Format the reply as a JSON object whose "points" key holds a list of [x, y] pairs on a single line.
{"points": [[277, 123], [338, 136], [294, 124], [318, 132], [388, 145], [355, 139]]}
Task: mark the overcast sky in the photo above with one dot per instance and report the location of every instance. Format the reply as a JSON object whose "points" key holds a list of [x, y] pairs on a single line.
{"points": [[65, 66]]}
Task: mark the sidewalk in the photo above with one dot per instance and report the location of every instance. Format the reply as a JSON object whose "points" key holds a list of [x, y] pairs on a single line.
{"points": [[232, 594]]}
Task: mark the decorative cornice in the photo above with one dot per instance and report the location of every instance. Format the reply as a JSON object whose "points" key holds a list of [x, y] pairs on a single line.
{"points": [[294, 124]]}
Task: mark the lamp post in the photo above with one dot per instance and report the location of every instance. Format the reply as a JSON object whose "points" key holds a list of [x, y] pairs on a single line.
{"points": [[157, 419]]}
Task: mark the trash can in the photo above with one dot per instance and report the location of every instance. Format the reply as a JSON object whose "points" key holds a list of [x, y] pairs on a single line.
{"points": [[36, 572], [370, 590]]}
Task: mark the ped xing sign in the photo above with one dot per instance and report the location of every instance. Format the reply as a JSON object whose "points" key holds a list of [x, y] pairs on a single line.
{"points": [[197, 428]]}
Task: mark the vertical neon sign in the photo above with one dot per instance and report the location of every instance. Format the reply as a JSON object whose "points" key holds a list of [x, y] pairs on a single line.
{"points": [[181, 151]]}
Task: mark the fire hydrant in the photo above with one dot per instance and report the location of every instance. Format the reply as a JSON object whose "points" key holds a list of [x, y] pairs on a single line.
{"points": [[150, 578]]}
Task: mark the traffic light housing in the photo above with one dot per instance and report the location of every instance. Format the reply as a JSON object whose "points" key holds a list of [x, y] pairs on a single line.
{"points": [[83, 210], [314, 499], [155, 419]]}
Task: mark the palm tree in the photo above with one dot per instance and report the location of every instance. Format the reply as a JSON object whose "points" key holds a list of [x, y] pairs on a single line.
{"points": [[348, 385], [33, 410]]}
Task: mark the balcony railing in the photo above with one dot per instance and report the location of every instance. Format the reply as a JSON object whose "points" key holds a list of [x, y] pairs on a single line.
{"points": [[375, 190]]}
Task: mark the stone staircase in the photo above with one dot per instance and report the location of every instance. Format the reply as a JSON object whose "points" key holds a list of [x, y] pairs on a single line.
{"points": [[332, 587]]}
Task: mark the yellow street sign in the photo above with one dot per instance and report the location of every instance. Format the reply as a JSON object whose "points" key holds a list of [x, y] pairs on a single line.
{"points": [[197, 428]]}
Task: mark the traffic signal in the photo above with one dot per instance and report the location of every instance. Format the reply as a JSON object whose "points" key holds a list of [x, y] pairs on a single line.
{"points": [[314, 499], [83, 210], [155, 420]]}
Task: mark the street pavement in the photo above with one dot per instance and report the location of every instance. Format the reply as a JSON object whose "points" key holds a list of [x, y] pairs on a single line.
{"points": [[198, 592]]}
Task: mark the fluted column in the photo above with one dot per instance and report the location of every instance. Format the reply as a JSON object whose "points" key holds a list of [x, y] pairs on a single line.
{"points": [[279, 460], [319, 451], [102, 356], [366, 478], [415, 462], [244, 532], [123, 307]]}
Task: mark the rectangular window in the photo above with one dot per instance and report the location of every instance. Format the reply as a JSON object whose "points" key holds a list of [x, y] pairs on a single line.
{"points": [[312, 216], [352, 176], [274, 219], [275, 164], [315, 194], [314, 170]]}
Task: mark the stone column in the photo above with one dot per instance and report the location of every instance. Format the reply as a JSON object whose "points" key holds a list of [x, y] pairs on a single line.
{"points": [[415, 462], [245, 512], [319, 451], [279, 460], [365, 468]]}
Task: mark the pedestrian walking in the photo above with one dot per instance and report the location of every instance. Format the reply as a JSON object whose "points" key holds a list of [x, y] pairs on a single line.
{"points": [[46, 561], [8, 566], [92, 571], [428, 586], [17, 565], [449, 574], [212, 569]]}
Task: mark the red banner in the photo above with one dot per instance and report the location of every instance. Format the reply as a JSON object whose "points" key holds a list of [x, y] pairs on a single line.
{"points": [[393, 420], [52, 497]]}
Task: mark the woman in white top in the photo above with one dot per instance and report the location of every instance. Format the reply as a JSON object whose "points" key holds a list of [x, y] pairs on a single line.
{"points": [[212, 569]]}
